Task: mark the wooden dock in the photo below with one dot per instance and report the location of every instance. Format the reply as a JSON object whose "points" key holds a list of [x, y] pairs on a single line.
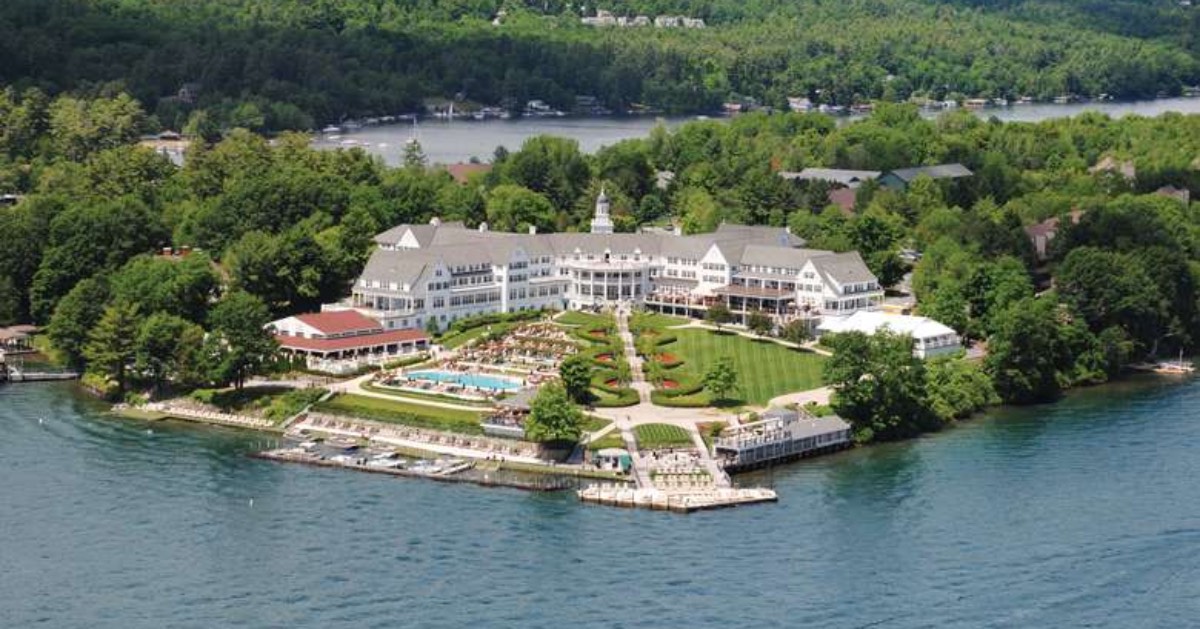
{"points": [[14, 371]]}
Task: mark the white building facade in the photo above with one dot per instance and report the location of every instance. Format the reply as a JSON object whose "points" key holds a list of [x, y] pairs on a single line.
{"points": [[446, 271]]}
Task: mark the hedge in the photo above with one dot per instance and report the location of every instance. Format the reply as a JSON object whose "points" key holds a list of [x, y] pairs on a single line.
{"points": [[692, 401], [626, 397]]}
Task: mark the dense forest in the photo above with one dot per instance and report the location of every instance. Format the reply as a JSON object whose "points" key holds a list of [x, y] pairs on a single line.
{"points": [[276, 65]]}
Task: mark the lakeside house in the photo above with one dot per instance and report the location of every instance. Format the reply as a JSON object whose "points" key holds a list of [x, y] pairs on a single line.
{"points": [[930, 338], [1113, 166], [1183, 195], [1041, 234], [343, 341], [446, 271]]}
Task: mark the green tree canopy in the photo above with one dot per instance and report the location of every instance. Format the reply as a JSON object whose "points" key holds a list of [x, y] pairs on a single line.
{"points": [[553, 417]]}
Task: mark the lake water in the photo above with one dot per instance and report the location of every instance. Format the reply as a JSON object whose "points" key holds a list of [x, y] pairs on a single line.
{"points": [[1083, 513], [449, 142]]}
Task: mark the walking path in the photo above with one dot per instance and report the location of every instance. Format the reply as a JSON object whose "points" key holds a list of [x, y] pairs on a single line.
{"points": [[638, 381]]}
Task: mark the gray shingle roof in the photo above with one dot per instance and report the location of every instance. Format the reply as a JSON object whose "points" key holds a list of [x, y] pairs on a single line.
{"points": [[940, 171], [843, 268]]}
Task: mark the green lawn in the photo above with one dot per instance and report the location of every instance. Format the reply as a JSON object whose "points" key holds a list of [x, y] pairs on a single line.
{"points": [[451, 341], [655, 320], [592, 423], [764, 369], [611, 440], [661, 436], [407, 413], [575, 317]]}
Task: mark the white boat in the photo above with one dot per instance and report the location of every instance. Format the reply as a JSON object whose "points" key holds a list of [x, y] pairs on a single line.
{"points": [[331, 129]]}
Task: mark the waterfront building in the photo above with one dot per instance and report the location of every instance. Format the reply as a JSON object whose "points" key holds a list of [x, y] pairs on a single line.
{"points": [[930, 338], [779, 435], [343, 341], [446, 271]]}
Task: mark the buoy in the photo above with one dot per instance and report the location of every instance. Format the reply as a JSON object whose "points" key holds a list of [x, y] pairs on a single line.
{"points": [[251, 503]]}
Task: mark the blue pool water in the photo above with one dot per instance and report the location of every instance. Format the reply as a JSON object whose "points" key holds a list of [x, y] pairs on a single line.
{"points": [[468, 379]]}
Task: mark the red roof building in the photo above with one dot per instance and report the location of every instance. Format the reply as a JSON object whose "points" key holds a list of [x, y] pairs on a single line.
{"points": [[343, 341]]}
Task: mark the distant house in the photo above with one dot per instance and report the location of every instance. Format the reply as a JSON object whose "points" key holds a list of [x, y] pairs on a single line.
{"points": [[848, 178], [930, 338], [342, 341], [1182, 195], [1111, 165], [900, 179], [1040, 234], [462, 172]]}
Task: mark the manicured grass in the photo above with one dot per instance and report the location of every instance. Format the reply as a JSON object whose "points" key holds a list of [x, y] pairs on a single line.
{"points": [[661, 436], [611, 440], [407, 413], [584, 319], [453, 340], [764, 369], [655, 320], [592, 423]]}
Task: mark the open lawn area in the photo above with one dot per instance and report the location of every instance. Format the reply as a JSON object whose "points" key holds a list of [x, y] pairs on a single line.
{"points": [[765, 369], [575, 317], [655, 320], [661, 436], [407, 413]]}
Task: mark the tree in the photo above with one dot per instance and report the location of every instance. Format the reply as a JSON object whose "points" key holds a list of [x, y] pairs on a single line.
{"points": [[513, 208], [245, 346], [718, 314], [721, 379], [576, 374], [958, 388], [759, 323], [1112, 289], [654, 370], [112, 345], [77, 313], [879, 386], [553, 417], [414, 155], [1027, 351], [796, 331], [168, 349]]}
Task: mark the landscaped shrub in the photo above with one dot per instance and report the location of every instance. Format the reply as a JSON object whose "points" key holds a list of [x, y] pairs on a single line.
{"points": [[624, 397], [687, 401]]}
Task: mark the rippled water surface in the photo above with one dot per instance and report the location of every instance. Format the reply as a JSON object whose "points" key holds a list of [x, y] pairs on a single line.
{"points": [[1084, 513]]}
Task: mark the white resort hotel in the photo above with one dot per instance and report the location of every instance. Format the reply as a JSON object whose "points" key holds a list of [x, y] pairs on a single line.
{"points": [[445, 271], [442, 272]]}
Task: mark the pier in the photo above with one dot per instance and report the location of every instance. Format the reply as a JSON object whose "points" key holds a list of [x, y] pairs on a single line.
{"points": [[13, 370]]}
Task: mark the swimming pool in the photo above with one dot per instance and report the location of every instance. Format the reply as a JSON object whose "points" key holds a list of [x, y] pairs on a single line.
{"points": [[479, 380]]}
